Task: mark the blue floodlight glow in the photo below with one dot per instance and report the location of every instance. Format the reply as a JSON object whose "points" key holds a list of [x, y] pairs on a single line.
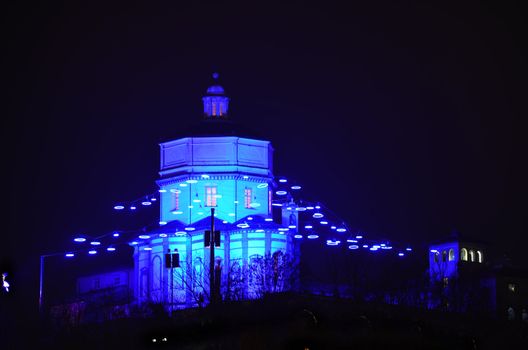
{"points": [[268, 219], [115, 234], [144, 236], [163, 223], [341, 229], [95, 243], [191, 181], [146, 203], [283, 180], [133, 207], [308, 227], [324, 222], [69, 255], [276, 204], [317, 215], [353, 246], [295, 187], [163, 235], [119, 207], [190, 228], [359, 237], [92, 252], [263, 185], [280, 193], [79, 239], [312, 236], [162, 191], [332, 242], [111, 249], [298, 236], [205, 176], [401, 254], [183, 185]]}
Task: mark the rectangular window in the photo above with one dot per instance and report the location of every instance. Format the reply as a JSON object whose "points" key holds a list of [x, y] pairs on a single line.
{"points": [[269, 202], [176, 200], [247, 197], [210, 196]]}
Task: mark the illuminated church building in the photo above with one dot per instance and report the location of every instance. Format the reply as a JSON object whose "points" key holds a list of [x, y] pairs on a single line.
{"points": [[233, 176]]}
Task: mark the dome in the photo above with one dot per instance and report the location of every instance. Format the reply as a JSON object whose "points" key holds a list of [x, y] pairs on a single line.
{"points": [[215, 90]]}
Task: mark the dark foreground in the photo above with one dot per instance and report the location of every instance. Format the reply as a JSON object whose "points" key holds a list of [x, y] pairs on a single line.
{"points": [[283, 322]]}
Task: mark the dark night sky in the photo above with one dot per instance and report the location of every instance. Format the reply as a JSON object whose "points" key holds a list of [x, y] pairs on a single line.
{"points": [[406, 119]]}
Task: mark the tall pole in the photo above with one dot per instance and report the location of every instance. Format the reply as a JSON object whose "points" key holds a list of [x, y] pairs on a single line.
{"points": [[41, 282], [171, 281], [211, 262]]}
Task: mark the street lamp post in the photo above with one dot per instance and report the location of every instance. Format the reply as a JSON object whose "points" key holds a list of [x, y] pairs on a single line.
{"points": [[41, 280]]}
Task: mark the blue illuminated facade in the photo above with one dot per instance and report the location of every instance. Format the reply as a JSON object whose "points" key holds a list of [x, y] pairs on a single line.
{"points": [[233, 175]]}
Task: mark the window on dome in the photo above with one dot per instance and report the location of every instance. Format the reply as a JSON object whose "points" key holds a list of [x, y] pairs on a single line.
{"points": [[444, 256], [210, 196], [471, 255], [214, 109], [247, 197]]}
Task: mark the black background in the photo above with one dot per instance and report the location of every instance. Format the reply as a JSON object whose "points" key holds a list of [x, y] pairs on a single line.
{"points": [[406, 119]]}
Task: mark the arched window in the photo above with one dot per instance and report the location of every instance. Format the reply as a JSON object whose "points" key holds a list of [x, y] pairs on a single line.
{"points": [[479, 256], [471, 255], [451, 254], [444, 256], [463, 254], [436, 256]]}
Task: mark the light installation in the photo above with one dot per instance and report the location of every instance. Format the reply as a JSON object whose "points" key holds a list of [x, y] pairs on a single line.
{"points": [[232, 175]]}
